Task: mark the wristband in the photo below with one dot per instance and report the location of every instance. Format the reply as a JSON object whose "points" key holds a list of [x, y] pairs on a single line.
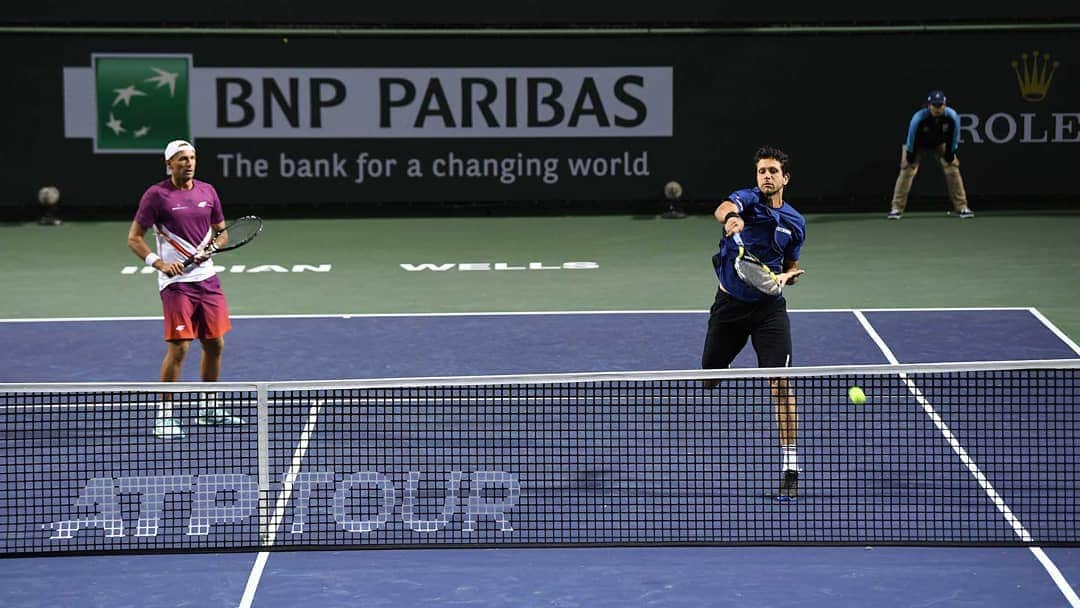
{"points": [[151, 258], [730, 215]]}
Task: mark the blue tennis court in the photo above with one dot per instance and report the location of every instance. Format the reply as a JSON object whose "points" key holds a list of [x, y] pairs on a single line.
{"points": [[384, 346], [398, 346]]}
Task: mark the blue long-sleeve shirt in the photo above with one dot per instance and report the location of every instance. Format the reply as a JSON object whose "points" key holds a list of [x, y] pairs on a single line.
{"points": [[928, 131]]}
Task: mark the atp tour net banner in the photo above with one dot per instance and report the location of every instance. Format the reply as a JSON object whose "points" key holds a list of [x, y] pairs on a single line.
{"points": [[589, 120], [585, 459]]}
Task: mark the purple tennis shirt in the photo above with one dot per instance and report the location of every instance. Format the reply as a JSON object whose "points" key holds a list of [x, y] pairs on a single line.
{"points": [[181, 220]]}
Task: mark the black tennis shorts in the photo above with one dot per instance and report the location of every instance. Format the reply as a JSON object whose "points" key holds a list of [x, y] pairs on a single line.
{"points": [[732, 321]]}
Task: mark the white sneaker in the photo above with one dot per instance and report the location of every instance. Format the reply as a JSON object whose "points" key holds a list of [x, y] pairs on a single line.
{"points": [[217, 416], [167, 428], [211, 415], [895, 215]]}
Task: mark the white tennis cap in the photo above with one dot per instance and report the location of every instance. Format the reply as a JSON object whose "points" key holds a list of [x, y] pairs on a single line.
{"points": [[175, 146]]}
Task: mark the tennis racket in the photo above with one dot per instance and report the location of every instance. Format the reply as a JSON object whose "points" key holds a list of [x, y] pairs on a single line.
{"points": [[755, 273], [235, 235]]}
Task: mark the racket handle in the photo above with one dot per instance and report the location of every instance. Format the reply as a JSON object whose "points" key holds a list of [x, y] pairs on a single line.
{"points": [[191, 258]]}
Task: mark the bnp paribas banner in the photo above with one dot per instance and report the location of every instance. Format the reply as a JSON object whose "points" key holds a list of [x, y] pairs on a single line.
{"points": [[135, 103], [319, 133]]}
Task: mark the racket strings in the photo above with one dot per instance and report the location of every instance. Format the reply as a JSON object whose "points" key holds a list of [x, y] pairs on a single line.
{"points": [[237, 233], [756, 274]]}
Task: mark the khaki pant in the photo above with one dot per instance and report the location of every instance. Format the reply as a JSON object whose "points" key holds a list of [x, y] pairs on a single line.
{"points": [[953, 182]]}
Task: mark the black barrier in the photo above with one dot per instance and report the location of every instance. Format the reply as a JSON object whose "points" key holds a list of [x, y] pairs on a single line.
{"points": [[593, 121], [550, 13]]}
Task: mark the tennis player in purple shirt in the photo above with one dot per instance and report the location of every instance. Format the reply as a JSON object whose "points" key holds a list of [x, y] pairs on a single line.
{"points": [[185, 214]]}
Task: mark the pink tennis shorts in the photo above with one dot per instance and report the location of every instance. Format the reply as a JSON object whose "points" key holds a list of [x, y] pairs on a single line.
{"points": [[195, 310]]}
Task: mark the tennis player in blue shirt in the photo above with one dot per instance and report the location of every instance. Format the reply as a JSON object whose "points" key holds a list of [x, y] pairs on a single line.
{"points": [[773, 231]]}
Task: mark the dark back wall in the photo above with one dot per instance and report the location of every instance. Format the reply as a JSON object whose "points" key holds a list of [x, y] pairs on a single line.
{"points": [[839, 105], [550, 13]]}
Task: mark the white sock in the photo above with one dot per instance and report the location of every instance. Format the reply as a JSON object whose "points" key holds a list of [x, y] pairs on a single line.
{"points": [[164, 410], [790, 457]]}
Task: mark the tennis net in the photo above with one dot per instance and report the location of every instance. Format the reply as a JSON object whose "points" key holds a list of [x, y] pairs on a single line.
{"points": [[975, 453]]}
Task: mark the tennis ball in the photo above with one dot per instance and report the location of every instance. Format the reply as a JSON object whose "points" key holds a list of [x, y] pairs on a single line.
{"points": [[856, 395]]}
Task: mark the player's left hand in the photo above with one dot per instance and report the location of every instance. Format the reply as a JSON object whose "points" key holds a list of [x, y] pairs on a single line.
{"points": [[789, 277], [201, 255]]}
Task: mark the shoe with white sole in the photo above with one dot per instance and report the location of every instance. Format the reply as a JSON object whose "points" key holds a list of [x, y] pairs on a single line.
{"points": [[789, 486], [212, 415], [167, 428]]}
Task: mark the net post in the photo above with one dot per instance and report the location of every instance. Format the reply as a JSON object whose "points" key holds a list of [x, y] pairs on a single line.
{"points": [[263, 430]]}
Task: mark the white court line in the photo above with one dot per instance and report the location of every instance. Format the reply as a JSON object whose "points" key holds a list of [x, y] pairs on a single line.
{"points": [[941, 309], [253, 579], [1054, 328], [1018, 527], [499, 314], [282, 502], [1055, 574]]}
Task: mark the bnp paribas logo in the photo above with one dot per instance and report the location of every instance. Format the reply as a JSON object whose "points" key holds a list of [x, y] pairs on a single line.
{"points": [[142, 101], [1034, 73]]}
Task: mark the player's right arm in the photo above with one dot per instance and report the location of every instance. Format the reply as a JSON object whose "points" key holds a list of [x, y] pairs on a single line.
{"points": [[137, 244], [732, 223]]}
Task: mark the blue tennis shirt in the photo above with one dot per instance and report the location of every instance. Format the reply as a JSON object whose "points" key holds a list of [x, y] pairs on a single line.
{"points": [[772, 234]]}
